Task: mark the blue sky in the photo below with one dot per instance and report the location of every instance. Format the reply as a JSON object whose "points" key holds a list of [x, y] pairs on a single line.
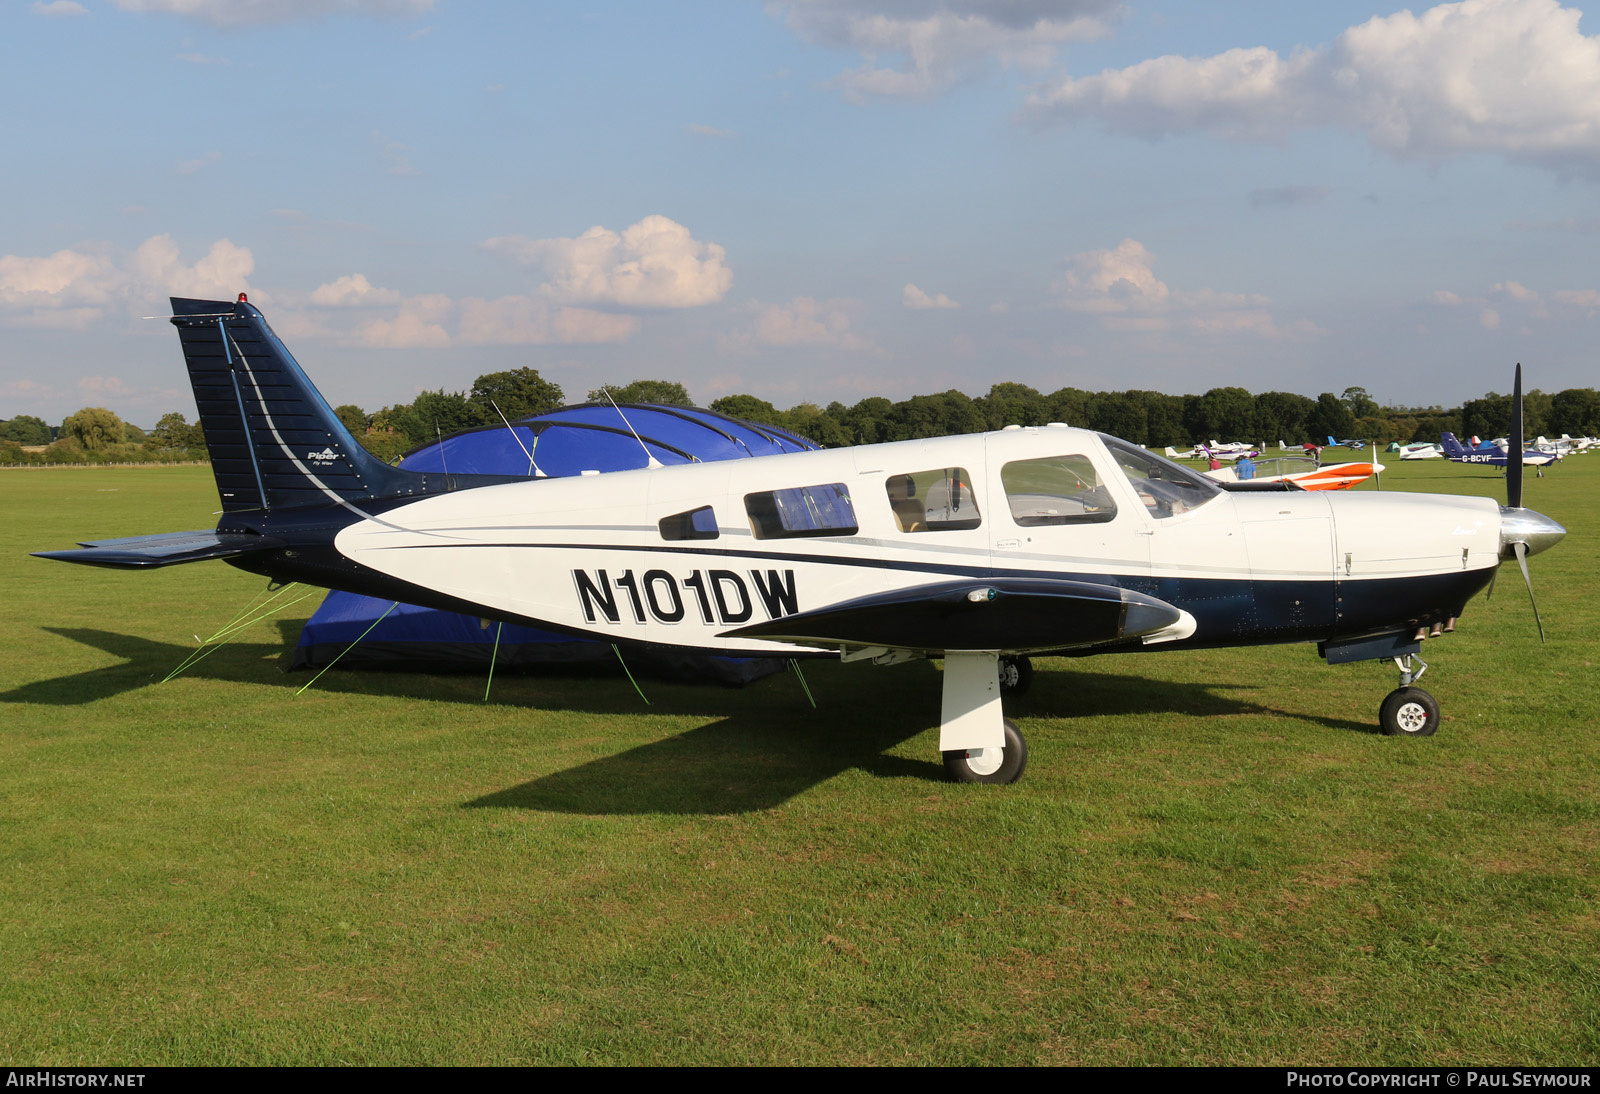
{"points": [[807, 200]]}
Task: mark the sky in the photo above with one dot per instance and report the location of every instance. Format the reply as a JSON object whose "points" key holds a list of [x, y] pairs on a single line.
{"points": [[805, 200]]}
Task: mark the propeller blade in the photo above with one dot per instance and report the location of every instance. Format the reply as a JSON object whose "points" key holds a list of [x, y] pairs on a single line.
{"points": [[1514, 447], [1521, 550]]}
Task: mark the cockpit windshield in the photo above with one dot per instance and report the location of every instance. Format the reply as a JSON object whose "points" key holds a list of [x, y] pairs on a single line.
{"points": [[1166, 488]]}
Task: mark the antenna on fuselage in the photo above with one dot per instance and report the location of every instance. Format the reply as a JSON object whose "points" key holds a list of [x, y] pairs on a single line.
{"points": [[533, 468], [650, 461]]}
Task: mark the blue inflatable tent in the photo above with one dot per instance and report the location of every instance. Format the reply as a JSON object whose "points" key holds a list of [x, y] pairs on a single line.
{"points": [[568, 441]]}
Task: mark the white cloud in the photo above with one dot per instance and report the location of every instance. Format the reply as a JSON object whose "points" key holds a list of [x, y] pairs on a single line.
{"points": [[353, 291], [1489, 318], [917, 300], [933, 44], [1581, 298], [221, 274], [395, 156], [709, 131], [1513, 77], [1519, 293], [1446, 298], [526, 320], [1120, 286], [805, 322], [240, 12], [419, 323], [59, 9], [1115, 280], [655, 263], [73, 288]]}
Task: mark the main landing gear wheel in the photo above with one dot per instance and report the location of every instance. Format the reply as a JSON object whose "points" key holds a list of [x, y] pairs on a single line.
{"points": [[1409, 712], [990, 765], [1016, 675]]}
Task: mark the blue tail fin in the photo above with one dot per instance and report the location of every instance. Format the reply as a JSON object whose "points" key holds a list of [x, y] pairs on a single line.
{"points": [[275, 443], [1451, 446]]}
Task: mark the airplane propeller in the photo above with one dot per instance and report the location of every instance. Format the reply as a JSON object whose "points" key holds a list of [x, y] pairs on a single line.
{"points": [[1522, 531]]}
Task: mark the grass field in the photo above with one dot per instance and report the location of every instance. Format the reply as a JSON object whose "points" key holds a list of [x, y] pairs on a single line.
{"points": [[1213, 858]]}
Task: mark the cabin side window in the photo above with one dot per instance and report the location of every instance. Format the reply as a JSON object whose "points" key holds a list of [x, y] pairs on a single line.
{"points": [[698, 523], [1166, 488], [801, 511], [933, 501], [1056, 490]]}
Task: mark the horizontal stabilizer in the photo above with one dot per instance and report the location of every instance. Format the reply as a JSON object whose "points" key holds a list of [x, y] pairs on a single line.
{"points": [[141, 552], [1009, 614]]}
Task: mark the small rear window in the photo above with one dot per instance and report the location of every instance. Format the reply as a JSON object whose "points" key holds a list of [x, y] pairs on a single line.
{"points": [[800, 511], [698, 523]]}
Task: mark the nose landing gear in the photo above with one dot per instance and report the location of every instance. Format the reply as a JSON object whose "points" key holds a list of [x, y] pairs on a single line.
{"points": [[1408, 711]]}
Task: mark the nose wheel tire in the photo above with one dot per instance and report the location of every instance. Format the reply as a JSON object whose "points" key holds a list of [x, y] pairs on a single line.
{"points": [[1016, 675], [1409, 712], [990, 765]]}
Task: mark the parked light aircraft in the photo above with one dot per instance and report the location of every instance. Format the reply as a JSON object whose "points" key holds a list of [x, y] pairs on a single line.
{"points": [[971, 548], [1493, 455], [1303, 471], [1420, 451]]}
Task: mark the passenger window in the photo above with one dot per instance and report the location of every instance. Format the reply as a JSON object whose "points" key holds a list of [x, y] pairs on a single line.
{"points": [[1057, 490], [698, 523], [802, 511], [933, 501]]}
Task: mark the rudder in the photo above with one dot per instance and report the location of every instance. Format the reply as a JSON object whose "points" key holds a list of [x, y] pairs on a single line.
{"points": [[275, 443]]}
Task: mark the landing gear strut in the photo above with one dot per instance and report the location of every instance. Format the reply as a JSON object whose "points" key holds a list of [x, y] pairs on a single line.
{"points": [[979, 744], [1409, 711]]}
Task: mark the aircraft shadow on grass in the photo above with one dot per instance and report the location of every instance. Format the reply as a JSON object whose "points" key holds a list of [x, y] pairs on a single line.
{"points": [[757, 751]]}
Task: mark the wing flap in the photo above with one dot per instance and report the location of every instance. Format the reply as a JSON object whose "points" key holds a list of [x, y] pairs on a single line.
{"points": [[1013, 615], [171, 549]]}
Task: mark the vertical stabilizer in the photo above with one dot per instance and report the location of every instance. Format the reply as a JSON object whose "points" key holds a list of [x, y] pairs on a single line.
{"points": [[274, 441]]}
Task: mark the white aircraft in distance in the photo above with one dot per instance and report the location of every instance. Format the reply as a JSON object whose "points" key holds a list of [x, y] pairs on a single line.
{"points": [[1422, 450], [972, 548]]}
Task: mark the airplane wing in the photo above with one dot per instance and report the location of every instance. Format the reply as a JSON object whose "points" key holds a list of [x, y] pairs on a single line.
{"points": [[1011, 614], [142, 552]]}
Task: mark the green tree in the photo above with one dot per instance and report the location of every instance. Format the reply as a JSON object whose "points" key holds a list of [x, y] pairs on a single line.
{"points": [[663, 392], [1222, 414], [1330, 418], [1115, 413], [814, 424], [1575, 411], [750, 409], [1281, 416], [1360, 403], [26, 429], [95, 428], [868, 421], [1013, 404], [1069, 405], [354, 418], [519, 393]]}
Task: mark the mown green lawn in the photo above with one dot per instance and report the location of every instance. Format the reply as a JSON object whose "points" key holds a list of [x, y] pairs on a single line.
{"points": [[1212, 858]]}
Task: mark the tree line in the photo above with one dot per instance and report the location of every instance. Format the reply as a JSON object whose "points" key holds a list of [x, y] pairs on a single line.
{"points": [[1149, 418]]}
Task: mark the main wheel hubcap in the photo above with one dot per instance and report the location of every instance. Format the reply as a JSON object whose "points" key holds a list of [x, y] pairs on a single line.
{"points": [[1412, 717]]}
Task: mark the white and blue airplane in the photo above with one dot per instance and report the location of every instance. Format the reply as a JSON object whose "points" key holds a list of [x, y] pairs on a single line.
{"points": [[979, 549]]}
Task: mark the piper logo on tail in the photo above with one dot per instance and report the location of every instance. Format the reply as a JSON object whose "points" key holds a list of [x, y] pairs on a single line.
{"points": [[327, 455]]}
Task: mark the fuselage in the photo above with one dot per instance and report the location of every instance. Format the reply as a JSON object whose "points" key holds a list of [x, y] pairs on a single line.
{"points": [[682, 555]]}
